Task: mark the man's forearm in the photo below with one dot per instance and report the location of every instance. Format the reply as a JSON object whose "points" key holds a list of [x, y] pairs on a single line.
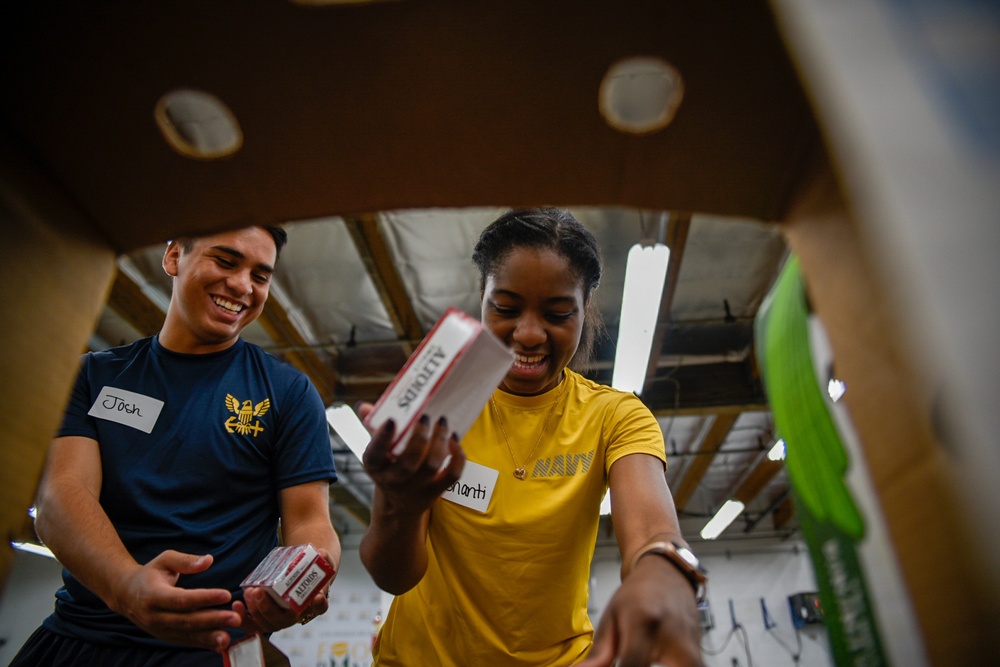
{"points": [[318, 533], [72, 523]]}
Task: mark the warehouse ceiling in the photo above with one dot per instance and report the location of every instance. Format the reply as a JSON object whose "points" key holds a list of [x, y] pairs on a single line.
{"points": [[386, 135]]}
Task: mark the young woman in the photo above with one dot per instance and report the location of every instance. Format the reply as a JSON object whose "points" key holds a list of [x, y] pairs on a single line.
{"points": [[509, 586]]}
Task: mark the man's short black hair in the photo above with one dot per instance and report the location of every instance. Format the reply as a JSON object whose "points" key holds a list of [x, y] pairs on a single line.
{"points": [[277, 233]]}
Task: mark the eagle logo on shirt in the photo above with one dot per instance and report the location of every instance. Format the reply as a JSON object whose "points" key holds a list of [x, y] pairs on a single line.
{"points": [[245, 412]]}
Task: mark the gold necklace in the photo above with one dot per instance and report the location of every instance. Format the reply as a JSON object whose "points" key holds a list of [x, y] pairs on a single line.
{"points": [[519, 470]]}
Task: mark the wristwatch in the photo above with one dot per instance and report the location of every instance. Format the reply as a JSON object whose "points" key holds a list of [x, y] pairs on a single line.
{"points": [[683, 559]]}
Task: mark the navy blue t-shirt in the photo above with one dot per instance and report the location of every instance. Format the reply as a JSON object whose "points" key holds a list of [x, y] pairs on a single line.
{"points": [[235, 427]]}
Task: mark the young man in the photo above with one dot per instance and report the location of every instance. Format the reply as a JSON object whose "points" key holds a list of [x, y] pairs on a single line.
{"points": [[177, 458]]}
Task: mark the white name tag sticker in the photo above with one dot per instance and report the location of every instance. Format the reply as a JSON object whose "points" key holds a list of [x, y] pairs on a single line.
{"points": [[127, 408], [247, 652], [475, 488]]}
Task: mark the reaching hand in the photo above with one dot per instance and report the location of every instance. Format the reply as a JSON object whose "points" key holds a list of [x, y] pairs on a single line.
{"points": [[430, 463], [652, 619], [151, 599]]}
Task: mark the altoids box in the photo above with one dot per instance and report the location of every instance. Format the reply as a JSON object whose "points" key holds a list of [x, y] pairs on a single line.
{"points": [[291, 575]]}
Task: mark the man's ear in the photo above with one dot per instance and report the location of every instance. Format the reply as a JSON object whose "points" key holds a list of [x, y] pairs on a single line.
{"points": [[170, 258]]}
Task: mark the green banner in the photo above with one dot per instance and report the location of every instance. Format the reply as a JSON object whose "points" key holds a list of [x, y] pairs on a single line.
{"points": [[817, 462]]}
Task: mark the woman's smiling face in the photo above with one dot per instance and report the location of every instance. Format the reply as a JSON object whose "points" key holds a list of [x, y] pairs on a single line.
{"points": [[533, 301]]}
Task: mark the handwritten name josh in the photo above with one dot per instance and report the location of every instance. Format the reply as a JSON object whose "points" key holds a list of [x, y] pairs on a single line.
{"points": [[113, 402]]}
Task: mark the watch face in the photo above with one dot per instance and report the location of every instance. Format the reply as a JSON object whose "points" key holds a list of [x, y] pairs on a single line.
{"points": [[688, 557]]}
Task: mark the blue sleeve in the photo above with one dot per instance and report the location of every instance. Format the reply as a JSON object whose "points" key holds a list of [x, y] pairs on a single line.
{"points": [[76, 421], [304, 453]]}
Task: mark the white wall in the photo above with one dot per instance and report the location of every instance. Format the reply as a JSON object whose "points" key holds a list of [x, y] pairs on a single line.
{"points": [[28, 598], [771, 573], [342, 637]]}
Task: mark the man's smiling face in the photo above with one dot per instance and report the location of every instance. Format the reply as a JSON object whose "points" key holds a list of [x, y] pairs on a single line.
{"points": [[220, 285]]}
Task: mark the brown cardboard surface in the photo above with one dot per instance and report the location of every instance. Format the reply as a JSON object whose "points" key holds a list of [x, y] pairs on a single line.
{"points": [[891, 407], [55, 275], [400, 105]]}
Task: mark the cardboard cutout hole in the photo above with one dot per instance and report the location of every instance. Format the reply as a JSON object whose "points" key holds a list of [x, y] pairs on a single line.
{"points": [[198, 125], [640, 95]]}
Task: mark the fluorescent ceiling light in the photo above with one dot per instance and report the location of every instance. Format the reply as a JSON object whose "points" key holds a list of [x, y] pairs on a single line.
{"points": [[777, 452], [350, 429], [836, 389], [33, 549], [722, 519], [645, 273]]}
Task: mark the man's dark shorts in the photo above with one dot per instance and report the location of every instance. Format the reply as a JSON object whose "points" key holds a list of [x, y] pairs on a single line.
{"points": [[47, 649]]}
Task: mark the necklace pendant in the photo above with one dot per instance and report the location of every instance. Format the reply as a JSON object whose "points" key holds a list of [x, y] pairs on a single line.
{"points": [[519, 473]]}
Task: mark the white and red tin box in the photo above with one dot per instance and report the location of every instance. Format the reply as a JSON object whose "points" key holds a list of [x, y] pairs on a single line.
{"points": [[291, 575]]}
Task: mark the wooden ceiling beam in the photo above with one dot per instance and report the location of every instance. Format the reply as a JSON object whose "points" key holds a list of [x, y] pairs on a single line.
{"points": [[784, 512], [676, 235], [280, 327], [375, 254], [756, 479], [131, 303], [699, 465]]}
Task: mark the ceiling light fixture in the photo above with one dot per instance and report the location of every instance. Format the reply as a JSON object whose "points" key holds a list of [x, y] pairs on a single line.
{"points": [[777, 452], [30, 548], [645, 274], [725, 516], [346, 424], [836, 388]]}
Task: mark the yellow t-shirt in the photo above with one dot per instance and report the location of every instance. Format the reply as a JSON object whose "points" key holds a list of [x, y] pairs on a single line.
{"points": [[509, 587]]}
